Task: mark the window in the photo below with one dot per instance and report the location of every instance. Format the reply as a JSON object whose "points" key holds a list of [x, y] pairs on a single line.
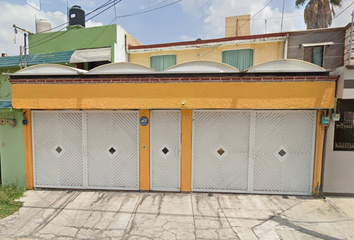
{"points": [[314, 55], [161, 63], [344, 128], [241, 59]]}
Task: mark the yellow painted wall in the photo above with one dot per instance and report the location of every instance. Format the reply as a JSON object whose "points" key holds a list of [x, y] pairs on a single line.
{"points": [[144, 150], [236, 95], [317, 167], [263, 52], [27, 132], [186, 150]]}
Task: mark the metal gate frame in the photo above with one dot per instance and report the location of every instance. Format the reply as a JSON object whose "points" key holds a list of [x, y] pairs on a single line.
{"points": [[178, 189], [84, 150], [252, 149]]}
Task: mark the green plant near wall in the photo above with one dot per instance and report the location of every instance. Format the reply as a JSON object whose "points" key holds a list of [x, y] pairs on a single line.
{"points": [[8, 203]]}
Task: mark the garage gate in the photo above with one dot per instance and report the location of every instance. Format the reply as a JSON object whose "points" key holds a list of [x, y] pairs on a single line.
{"points": [[253, 151], [92, 150]]}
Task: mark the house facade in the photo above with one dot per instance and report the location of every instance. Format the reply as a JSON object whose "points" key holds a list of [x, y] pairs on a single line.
{"points": [[198, 126]]}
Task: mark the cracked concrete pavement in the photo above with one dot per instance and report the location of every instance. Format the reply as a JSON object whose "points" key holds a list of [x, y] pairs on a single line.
{"points": [[132, 215]]}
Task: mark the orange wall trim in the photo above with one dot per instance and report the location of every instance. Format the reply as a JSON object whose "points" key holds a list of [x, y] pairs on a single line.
{"points": [[208, 95], [317, 167], [27, 132], [186, 149], [144, 150]]}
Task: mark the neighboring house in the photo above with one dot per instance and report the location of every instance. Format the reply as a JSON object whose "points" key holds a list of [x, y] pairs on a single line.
{"points": [[12, 157], [238, 49], [77, 46], [323, 47], [329, 48], [339, 154], [241, 52], [91, 47], [198, 126]]}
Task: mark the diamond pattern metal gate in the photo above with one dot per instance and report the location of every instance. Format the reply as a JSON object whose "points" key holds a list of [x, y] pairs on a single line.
{"points": [[220, 151], [97, 150], [253, 151], [57, 149], [284, 151], [112, 150], [165, 150]]}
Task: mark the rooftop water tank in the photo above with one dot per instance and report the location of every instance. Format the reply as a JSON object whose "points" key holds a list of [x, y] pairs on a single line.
{"points": [[42, 26], [76, 16]]}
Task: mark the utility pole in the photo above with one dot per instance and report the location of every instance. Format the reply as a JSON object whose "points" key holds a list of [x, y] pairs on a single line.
{"points": [[282, 17], [351, 39], [25, 34]]}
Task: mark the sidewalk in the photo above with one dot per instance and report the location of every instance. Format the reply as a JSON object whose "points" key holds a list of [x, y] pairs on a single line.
{"points": [[132, 215]]}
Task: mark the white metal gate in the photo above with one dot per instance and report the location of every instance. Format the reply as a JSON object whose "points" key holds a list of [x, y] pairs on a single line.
{"points": [[220, 151], [284, 151], [57, 149], [165, 150], [112, 150], [97, 150], [253, 151]]}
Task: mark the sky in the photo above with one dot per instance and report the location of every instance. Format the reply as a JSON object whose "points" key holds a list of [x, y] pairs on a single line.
{"points": [[181, 20]]}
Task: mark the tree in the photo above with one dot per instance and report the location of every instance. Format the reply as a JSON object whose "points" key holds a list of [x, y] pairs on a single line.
{"points": [[319, 13]]}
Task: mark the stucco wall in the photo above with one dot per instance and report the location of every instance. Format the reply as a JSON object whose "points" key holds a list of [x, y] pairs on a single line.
{"points": [[72, 39], [339, 167], [235, 95], [263, 52], [12, 150]]}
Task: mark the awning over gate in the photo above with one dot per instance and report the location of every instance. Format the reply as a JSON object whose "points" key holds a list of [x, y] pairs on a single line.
{"points": [[91, 55]]}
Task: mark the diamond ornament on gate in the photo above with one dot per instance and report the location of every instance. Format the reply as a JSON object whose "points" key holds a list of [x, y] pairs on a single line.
{"points": [[58, 150], [164, 151], [112, 151], [281, 153], [220, 152]]}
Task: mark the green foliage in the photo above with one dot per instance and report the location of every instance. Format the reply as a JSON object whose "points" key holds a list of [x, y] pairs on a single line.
{"points": [[318, 13], [8, 195], [299, 3]]}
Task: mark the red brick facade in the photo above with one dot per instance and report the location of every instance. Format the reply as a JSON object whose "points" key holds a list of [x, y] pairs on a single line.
{"points": [[156, 79]]}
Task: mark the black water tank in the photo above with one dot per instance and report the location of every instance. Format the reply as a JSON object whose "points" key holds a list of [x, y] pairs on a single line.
{"points": [[76, 16]]}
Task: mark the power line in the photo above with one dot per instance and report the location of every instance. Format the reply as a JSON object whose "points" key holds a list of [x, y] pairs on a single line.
{"points": [[39, 42], [146, 11], [343, 10], [102, 6], [107, 4], [240, 27]]}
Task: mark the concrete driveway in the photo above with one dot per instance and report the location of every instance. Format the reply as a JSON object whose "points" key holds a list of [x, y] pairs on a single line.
{"points": [[131, 215]]}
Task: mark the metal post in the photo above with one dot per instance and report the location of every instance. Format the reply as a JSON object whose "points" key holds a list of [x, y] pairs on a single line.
{"points": [[351, 39], [25, 48], [20, 57], [282, 17]]}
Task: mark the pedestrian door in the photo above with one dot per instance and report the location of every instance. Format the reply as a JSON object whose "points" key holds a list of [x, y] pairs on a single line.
{"points": [[165, 150], [96, 150]]}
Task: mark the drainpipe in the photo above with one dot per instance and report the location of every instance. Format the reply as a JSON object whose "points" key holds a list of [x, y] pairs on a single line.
{"points": [[286, 47]]}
